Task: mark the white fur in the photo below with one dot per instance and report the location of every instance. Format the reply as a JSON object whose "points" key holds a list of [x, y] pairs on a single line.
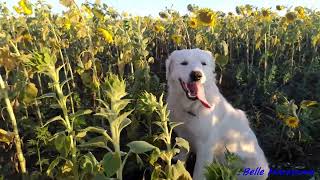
{"points": [[212, 130]]}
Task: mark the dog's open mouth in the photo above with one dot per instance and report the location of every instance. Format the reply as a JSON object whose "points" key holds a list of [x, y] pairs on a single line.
{"points": [[194, 91]]}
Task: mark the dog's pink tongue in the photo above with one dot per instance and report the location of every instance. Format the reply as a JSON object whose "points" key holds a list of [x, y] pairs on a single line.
{"points": [[196, 89]]}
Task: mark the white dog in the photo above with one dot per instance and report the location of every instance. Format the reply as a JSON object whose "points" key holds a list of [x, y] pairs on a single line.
{"points": [[211, 124]]}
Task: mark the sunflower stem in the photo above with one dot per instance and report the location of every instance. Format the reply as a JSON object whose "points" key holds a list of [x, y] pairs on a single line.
{"points": [[17, 140]]}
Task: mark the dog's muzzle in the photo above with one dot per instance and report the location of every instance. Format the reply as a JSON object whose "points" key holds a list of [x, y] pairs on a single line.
{"points": [[194, 91]]}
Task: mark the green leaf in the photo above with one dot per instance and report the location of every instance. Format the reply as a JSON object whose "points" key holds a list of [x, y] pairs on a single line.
{"points": [[221, 60], [65, 81], [57, 118], [52, 165], [89, 163], [120, 119], [48, 95], [81, 134], [99, 141], [104, 103], [92, 129], [225, 48], [307, 103], [124, 124], [139, 147], [63, 144], [80, 113], [182, 143], [111, 163], [175, 124], [119, 105]]}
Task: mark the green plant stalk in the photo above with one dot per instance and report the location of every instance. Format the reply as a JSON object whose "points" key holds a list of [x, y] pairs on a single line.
{"points": [[292, 56], [17, 140], [64, 68], [116, 144], [63, 105], [164, 122], [39, 156]]}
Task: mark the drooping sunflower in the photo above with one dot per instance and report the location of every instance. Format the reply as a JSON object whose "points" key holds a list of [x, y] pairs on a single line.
{"points": [[206, 17], [292, 122], [163, 15], [265, 12], [193, 23], [30, 93], [291, 16], [177, 39], [279, 7]]}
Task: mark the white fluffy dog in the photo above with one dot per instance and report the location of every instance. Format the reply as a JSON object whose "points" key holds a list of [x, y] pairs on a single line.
{"points": [[211, 124]]}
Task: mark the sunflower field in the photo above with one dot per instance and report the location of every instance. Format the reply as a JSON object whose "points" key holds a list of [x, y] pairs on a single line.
{"points": [[82, 93]]}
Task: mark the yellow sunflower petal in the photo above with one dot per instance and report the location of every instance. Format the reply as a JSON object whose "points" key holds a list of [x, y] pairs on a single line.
{"points": [[106, 35], [206, 17], [292, 122]]}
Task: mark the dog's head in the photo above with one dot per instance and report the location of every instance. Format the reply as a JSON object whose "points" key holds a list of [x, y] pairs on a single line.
{"points": [[191, 70]]}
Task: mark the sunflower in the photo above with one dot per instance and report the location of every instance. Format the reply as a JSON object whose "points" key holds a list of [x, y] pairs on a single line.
{"points": [[177, 39], [27, 37], [300, 11], [279, 8], [265, 12], [291, 16], [292, 122], [158, 28], [66, 23], [163, 15], [206, 17], [23, 8], [30, 93], [106, 35], [193, 23]]}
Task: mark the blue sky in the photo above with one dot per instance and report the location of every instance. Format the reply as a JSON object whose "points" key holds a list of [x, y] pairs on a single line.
{"points": [[152, 7]]}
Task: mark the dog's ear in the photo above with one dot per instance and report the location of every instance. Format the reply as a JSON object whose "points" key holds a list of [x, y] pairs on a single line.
{"points": [[211, 57], [213, 64], [168, 67]]}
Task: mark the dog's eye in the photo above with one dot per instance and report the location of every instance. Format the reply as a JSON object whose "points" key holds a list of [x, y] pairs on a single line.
{"points": [[184, 63], [203, 63]]}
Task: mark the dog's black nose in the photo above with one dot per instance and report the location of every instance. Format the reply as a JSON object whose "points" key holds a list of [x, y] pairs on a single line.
{"points": [[195, 75]]}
